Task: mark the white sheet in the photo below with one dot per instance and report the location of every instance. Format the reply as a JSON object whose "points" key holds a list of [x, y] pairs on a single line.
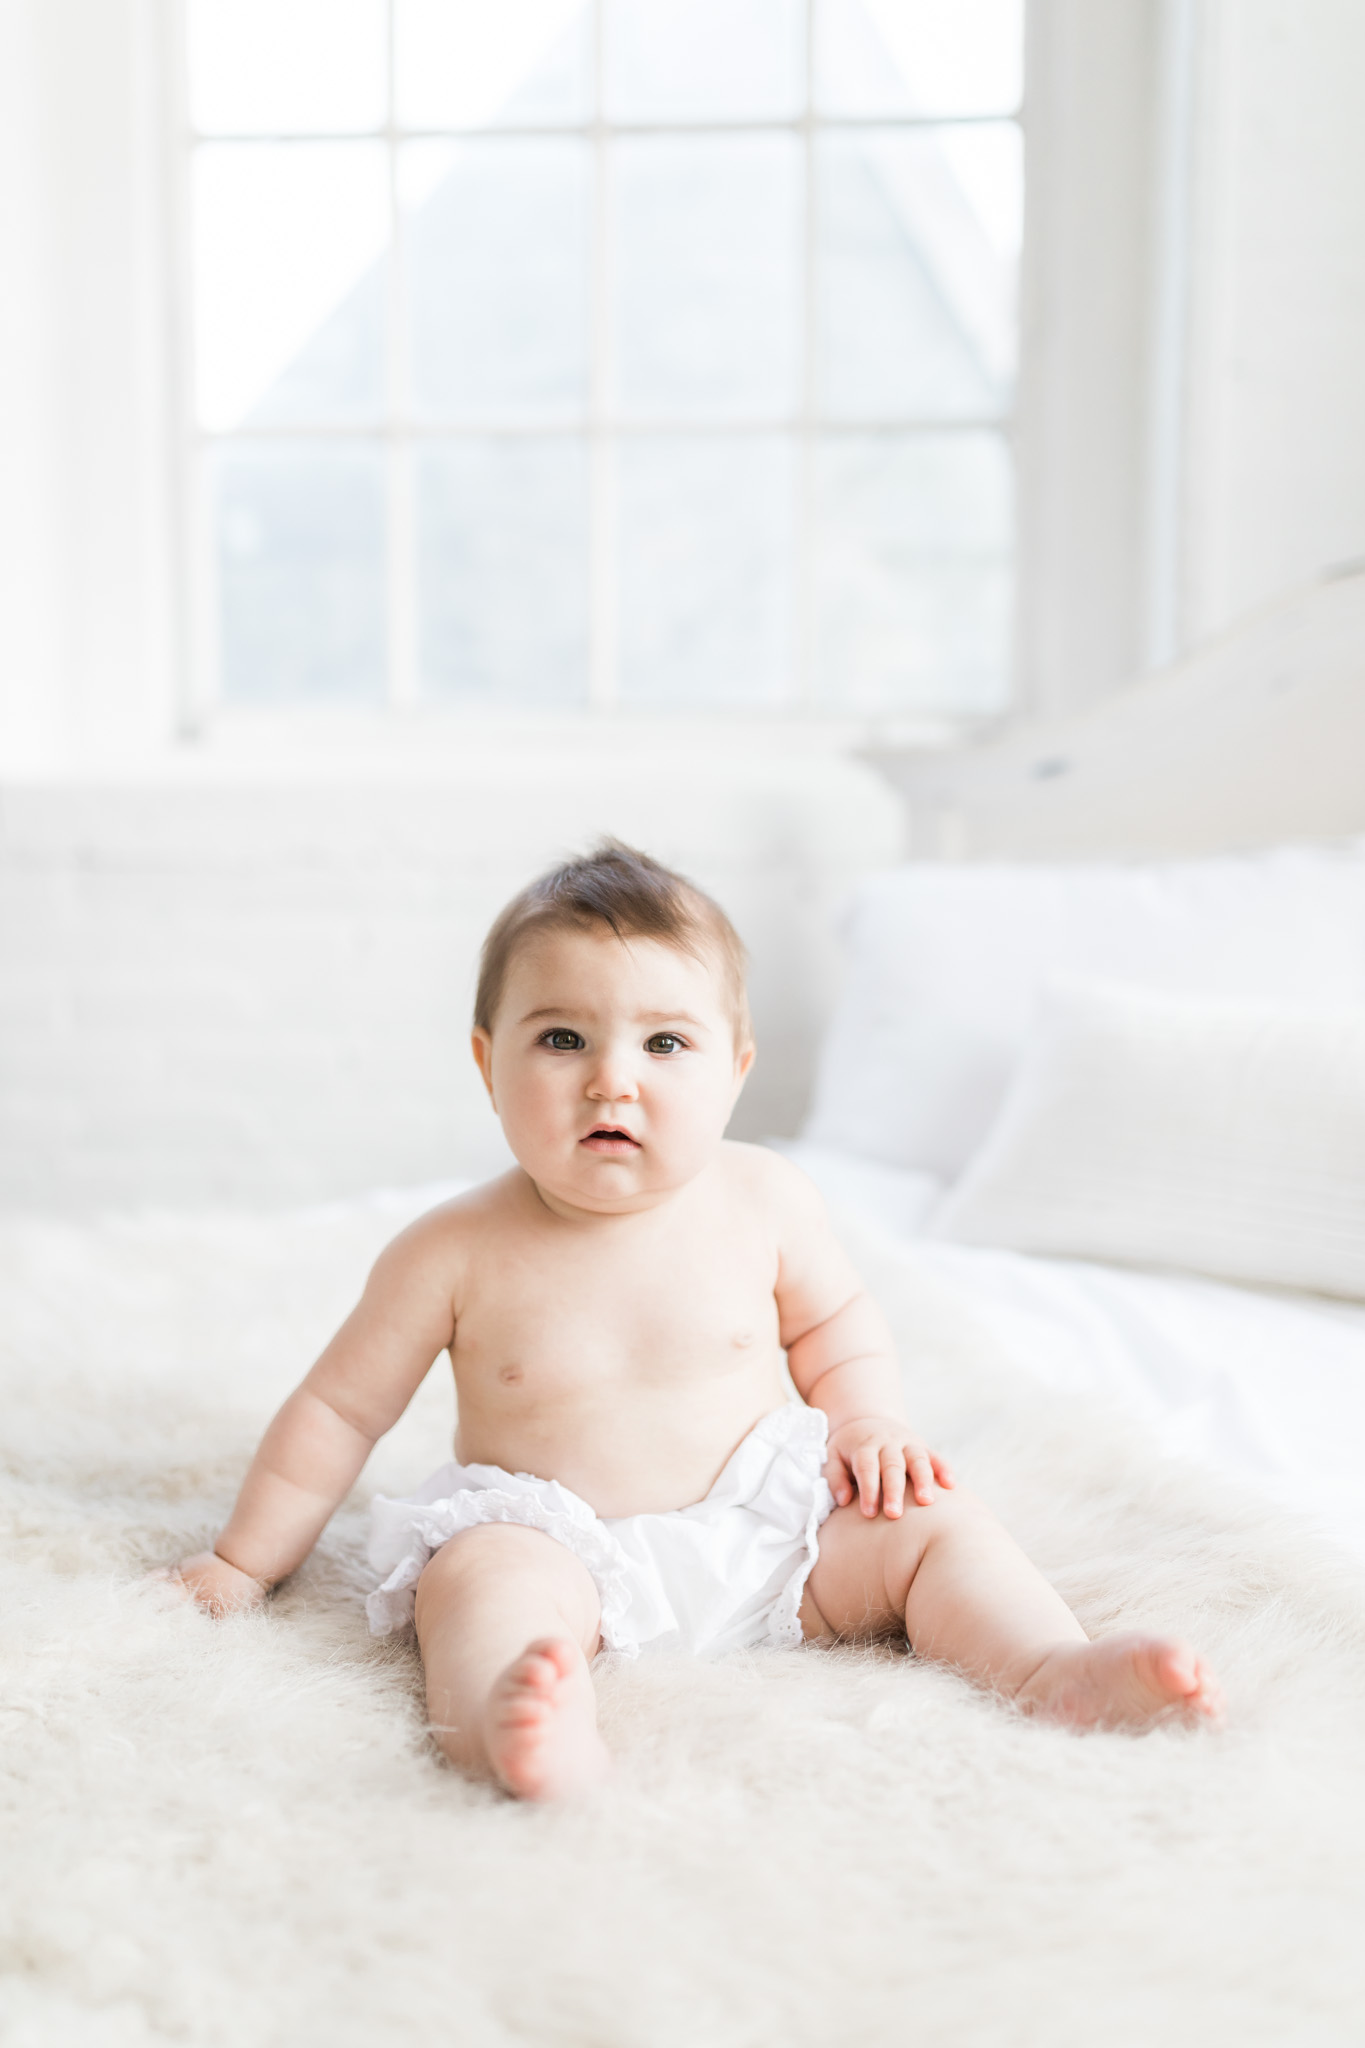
{"points": [[1263, 1385]]}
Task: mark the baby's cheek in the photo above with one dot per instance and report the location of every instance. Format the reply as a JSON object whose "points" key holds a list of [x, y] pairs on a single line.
{"points": [[533, 1103], [691, 1132], [529, 1126]]}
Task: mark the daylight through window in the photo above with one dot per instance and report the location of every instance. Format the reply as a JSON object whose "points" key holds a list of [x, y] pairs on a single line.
{"points": [[646, 353]]}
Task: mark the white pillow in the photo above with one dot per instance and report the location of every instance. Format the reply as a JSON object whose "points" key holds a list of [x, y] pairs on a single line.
{"points": [[1150, 1130], [945, 964], [895, 1198]]}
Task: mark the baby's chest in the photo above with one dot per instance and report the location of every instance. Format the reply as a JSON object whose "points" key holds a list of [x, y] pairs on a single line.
{"points": [[549, 1328]]}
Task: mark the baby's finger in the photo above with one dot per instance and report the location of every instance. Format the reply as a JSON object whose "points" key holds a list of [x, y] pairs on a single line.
{"points": [[868, 1473], [893, 1480], [921, 1475], [837, 1479], [943, 1471]]}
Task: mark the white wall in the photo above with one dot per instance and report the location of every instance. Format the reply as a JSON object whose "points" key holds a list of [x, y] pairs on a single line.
{"points": [[87, 618], [253, 988], [1192, 429], [1275, 481], [1092, 82]]}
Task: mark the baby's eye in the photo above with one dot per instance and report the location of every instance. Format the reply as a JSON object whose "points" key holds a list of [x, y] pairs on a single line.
{"points": [[664, 1042], [562, 1040]]}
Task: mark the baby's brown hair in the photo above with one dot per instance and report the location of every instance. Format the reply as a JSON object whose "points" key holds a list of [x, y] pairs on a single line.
{"points": [[635, 897]]}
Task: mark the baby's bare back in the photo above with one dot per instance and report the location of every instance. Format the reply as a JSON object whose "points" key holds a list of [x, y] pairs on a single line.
{"points": [[625, 1356]]}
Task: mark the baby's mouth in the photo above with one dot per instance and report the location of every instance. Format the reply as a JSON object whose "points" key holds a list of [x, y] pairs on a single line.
{"points": [[611, 1140]]}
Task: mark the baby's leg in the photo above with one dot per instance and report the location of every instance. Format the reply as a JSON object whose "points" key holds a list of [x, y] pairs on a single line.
{"points": [[965, 1594], [507, 1619]]}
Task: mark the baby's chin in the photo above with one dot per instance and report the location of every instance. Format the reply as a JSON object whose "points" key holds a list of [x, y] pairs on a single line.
{"points": [[607, 1186]]}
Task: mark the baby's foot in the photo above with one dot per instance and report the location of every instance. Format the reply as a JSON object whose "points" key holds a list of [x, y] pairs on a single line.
{"points": [[1122, 1682], [540, 1727]]}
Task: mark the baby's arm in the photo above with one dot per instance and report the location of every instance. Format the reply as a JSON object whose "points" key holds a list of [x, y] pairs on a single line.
{"points": [[841, 1358], [313, 1451]]}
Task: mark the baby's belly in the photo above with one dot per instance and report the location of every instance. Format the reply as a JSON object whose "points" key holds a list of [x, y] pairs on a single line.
{"points": [[624, 1450]]}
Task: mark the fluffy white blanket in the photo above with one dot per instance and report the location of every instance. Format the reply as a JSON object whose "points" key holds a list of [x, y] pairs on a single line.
{"points": [[236, 1833]]}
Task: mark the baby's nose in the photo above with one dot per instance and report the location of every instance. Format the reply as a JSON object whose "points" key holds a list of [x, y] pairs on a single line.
{"points": [[614, 1079]]}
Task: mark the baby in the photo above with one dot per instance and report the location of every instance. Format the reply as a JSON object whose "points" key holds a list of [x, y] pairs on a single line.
{"points": [[622, 1310]]}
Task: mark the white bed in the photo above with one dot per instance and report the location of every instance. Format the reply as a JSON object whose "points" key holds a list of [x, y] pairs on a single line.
{"points": [[185, 1794], [1262, 1385], [1202, 1099]]}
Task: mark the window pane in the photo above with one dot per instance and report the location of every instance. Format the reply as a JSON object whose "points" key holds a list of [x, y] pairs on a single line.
{"points": [[287, 67], [289, 274], [918, 261], [475, 64], [914, 576], [703, 59], [705, 570], [301, 573], [919, 56], [503, 571], [708, 276], [497, 276]]}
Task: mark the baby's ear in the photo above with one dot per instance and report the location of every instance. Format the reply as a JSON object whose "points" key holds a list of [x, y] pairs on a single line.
{"points": [[744, 1059], [481, 1045]]}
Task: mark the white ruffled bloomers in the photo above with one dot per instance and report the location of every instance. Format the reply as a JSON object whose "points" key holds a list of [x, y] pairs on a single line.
{"points": [[725, 1574]]}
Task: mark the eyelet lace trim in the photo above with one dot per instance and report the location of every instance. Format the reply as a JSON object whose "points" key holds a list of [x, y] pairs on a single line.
{"points": [[808, 1454]]}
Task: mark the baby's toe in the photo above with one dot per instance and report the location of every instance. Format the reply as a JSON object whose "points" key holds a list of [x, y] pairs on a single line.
{"points": [[1177, 1669], [552, 1658], [1208, 1699], [1187, 1682]]}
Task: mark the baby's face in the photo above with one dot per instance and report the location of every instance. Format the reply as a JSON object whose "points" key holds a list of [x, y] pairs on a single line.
{"points": [[613, 1068]]}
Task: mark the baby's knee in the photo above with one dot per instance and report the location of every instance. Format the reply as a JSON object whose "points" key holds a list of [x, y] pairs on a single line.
{"points": [[952, 1514], [959, 1503], [950, 1504], [487, 1550], [959, 1515]]}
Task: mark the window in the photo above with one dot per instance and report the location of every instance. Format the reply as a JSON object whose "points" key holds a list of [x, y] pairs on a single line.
{"points": [[648, 354]]}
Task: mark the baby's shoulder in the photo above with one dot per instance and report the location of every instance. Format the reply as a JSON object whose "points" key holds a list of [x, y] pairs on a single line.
{"points": [[442, 1239], [765, 1176]]}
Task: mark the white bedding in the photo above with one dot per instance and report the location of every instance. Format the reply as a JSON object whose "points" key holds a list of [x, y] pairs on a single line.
{"points": [[1263, 1385], [236, 1837]]}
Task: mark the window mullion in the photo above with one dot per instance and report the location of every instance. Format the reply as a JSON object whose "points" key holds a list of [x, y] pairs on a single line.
{"points": [[401, 558], [198, 618], [605, 436], [602, 525], [803, 626]]}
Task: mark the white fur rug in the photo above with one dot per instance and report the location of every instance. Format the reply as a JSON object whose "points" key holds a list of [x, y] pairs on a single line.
{"points": [[236, 1834]]}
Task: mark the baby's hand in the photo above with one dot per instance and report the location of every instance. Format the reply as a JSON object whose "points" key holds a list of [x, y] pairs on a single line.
{"points": [[871, 1457], [211, 1582]]}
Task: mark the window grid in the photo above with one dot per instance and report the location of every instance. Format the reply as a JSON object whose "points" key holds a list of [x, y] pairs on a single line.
{"points": [[597, 425]]}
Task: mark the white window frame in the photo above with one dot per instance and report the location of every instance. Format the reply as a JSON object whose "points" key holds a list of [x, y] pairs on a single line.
{"points": [[204, 710]]}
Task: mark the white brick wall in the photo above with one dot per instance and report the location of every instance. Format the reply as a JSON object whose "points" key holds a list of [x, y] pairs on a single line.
{"points": [[246, 990]]}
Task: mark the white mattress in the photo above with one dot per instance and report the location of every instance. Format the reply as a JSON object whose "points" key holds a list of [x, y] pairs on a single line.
{"points": [[1262, 1385]]}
